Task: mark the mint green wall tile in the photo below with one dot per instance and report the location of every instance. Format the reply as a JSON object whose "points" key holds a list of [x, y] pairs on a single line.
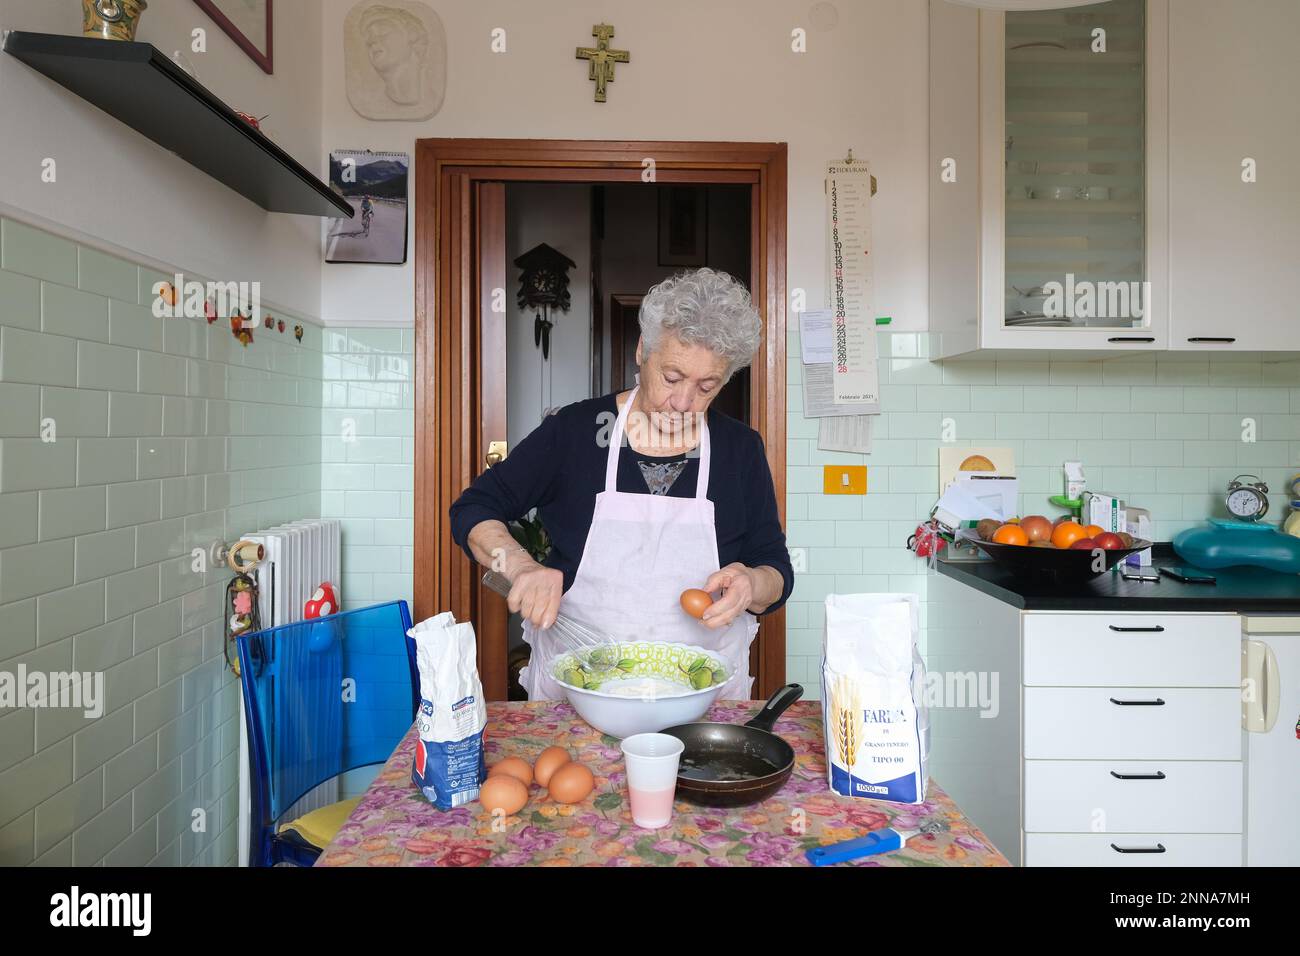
{"points": [[1230, 373], [131, 591], [67, 512], [990, 398], [186, 337], [1259, 400], [152, 711], [69, 611], [121, 774], [160, 457], [205, 379], [162, 374], [37, 358], [27, 464], [76, 413], [20, 301], [1105, 452], [1129, 371], [108, 367], [107, 275], [178, 577], [17, 737], [71, 312], [1182, 373], [18, 636], [103, 461], [134, 326], [1074, 373], [1135, 426], [160, 540], [1158, 452], [96, 838], [18, 517], [374, 340], [68, 809], [30, 783], [205, 455], [35, 252], [157, 625], [184, 416], [20, 410], [99, 555], [133, 415], [182, 496], [129, 680], [33, 569], [1175, 426], [150, 278], [205, 527]]}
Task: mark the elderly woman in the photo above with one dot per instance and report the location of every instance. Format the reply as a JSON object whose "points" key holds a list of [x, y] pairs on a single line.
{"points": [[644, 494]]}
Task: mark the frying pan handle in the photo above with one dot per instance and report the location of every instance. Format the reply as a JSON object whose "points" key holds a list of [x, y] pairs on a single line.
{"points": [[776, 706]]}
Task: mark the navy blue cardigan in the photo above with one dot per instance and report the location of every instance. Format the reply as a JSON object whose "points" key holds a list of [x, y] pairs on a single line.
{"points": [[560, 467]]}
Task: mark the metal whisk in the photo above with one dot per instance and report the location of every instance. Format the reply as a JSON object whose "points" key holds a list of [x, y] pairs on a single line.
{"points": [[576, 637]]}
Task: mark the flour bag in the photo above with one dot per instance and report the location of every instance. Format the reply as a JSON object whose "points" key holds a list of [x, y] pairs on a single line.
{"points": [[449, 724], [873, 706]]}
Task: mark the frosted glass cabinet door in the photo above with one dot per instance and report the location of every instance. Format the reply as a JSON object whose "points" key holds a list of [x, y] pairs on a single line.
{"points": [[1234, 97]]}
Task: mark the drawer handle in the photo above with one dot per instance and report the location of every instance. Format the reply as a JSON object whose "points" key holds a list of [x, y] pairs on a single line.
{"points": [[1127, 630], [1158, 702], [1211, 338], [1158, 775], [1158, 848], [1131, 338]]}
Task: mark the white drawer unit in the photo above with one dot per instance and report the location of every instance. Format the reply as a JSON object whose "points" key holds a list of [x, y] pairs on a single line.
{"points": [[1133, 849], [1132, 723], [1132, 650], [1112, 796]]}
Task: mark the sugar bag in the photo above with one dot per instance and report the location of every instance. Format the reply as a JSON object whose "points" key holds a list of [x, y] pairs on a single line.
{"points": [[449, 760], [873, 708]]}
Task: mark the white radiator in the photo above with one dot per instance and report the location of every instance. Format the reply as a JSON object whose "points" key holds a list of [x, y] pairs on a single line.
{"points": [[300, 556]]}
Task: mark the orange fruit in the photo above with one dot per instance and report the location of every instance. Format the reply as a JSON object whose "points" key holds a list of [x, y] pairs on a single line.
{"points": [[1066, 533], [1093, 530], [1010, 534]]}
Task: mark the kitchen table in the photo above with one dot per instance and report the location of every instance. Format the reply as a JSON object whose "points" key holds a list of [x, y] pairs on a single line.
{"points": [[394, 825]]}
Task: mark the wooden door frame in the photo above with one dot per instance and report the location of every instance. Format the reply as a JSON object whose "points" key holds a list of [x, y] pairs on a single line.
{"points": [[449, 445]]}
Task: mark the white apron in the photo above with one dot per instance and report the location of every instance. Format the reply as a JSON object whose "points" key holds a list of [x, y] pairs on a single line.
{"points": [[642, 552]]}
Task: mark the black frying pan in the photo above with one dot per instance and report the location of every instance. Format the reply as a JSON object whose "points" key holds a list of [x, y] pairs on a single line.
{"points": [[729, 765]]}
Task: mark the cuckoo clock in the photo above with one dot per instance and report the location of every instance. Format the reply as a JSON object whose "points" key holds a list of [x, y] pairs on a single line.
{"points": [[544, 288]]}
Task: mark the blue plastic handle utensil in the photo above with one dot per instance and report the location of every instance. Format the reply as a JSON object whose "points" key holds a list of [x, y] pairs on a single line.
{"points": [[877, 841]]}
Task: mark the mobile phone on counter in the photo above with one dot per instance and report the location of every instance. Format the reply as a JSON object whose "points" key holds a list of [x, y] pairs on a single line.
{"points": [[1189, 575], [1133, 572]]}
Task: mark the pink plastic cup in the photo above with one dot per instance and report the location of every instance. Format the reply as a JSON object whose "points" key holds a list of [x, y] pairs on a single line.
{"points": [[651, 761]]}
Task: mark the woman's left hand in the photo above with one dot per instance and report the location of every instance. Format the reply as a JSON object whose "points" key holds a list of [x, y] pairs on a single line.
{"points": [[736, 581]]}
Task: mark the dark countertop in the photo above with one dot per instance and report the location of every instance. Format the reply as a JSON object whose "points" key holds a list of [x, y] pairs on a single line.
{"points": [[1242, 589]]}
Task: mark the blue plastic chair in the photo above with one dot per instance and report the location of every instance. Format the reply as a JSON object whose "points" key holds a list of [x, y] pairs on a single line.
{"points": [[321, 697]]}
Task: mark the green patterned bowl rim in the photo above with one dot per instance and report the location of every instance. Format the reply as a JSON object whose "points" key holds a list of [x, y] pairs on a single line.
{"points": [[640, 652]]}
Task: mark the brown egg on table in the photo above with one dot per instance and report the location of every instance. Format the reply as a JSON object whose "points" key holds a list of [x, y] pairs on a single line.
{"points": [[695, 602], [571, 783], [503, 792], [517, 767], [548, 761]]}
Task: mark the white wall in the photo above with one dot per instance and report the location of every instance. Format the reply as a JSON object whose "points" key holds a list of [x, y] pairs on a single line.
{"points": [[117, 188], [558, 214], [721, 70]]}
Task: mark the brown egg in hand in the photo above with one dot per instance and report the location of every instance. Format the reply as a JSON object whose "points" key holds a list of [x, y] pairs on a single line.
{"points": [[548, 761], [516, 767], [503, 792], [571, 783], [695, 602]]}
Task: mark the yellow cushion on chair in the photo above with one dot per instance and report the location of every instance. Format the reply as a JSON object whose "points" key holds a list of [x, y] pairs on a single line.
{"points": [[320, 826]]}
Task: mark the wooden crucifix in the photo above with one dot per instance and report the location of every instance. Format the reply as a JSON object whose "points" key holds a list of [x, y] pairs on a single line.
{"points": [[601, 58]]}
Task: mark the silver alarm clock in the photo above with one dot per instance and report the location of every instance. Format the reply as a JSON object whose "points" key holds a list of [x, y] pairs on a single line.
{"points": [[1247, 501]]}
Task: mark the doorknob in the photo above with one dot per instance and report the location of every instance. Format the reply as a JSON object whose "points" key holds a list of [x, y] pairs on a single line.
{"points": [[496, 453]]}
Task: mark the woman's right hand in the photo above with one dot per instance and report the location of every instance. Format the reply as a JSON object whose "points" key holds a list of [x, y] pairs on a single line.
{"points": [[535, 593]]}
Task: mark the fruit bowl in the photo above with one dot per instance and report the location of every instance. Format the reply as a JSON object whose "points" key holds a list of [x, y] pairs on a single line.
{"points": [[1054, 562]]}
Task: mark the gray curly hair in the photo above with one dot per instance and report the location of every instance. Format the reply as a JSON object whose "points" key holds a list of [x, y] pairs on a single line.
{"points": [[704, 307]]}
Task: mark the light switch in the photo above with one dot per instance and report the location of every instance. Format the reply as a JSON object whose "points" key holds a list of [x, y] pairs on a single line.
{"points": [[844, 479]]}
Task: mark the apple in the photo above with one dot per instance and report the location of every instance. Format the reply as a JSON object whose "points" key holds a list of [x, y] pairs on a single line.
{"points": [[1083, 544], [1109, 541]]}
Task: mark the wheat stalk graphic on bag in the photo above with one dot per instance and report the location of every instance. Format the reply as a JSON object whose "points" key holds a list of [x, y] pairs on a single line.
{"points": [[845, 718]]}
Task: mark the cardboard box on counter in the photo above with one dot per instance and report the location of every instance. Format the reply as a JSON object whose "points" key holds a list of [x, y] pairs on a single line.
{"points": [[1139, 524], [1104, 510]]}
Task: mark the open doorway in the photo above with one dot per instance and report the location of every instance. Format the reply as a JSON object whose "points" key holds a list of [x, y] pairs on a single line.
{"points": [[462, 267], [621, 238]]}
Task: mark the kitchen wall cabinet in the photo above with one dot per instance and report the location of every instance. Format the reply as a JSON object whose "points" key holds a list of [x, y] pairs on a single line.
{"points": [[1117, 740], [1234, 97], [1066, 178]]}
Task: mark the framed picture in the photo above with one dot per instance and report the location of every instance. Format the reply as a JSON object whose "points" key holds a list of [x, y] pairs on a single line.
{"points": [[683, 226], [248, 23], [376, 186]]}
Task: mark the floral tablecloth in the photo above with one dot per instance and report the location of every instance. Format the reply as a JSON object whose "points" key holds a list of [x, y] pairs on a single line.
{"points": [[394, 825]]}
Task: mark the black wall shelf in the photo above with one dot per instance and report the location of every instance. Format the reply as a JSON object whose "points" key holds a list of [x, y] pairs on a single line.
{"points": [[135, 83]]}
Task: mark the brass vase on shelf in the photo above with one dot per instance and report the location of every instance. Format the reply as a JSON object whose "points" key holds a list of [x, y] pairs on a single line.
{"points": [[111, 19]]}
